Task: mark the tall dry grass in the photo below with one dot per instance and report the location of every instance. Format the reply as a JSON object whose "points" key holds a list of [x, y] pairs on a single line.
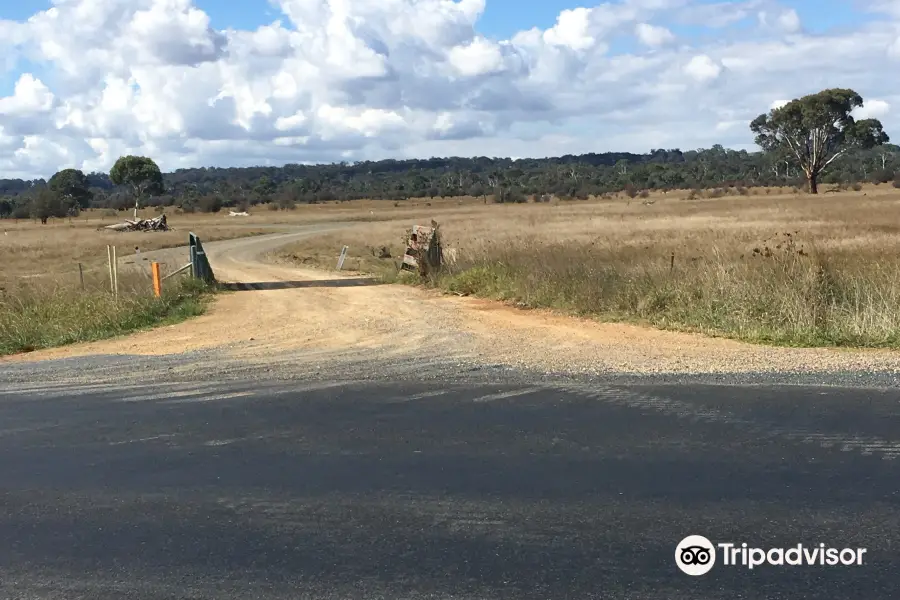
{"points": [[46, 313], [784, 295]]}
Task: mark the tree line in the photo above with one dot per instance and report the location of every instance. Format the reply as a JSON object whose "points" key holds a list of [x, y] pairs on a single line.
{"points": [[810, 140]]}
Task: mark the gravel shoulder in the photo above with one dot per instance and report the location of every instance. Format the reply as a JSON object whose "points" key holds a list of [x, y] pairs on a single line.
{"points": [[292, 320]]}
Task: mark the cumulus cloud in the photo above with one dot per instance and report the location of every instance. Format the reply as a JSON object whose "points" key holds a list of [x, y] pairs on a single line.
{"points": [[653, 35], [173, 32], [30, 96], [367, 79], [703, 68], [478, 57], [572, 30]]}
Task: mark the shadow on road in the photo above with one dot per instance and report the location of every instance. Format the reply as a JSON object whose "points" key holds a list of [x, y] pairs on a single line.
{"points": [[283, 285]]}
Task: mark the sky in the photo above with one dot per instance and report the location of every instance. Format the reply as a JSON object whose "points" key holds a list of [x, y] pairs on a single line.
{"points": [[195, 83]]}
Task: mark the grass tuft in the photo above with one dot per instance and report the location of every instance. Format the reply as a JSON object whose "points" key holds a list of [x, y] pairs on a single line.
{"points": [[44, 315]]}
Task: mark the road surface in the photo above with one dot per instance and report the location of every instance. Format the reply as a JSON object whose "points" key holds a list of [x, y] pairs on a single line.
{"points": [[450, 490], [318, 437]]}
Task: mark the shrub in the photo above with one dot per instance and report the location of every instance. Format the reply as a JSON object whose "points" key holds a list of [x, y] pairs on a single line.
{"points": [[881, 176], [209, 204]]}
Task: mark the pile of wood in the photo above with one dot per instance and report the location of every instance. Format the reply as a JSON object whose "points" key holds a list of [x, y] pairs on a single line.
{"points": [[424, 252], [154, 224]]}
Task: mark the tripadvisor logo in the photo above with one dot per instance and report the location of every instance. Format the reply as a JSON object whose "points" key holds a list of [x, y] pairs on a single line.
{"points": [[696, 555]]}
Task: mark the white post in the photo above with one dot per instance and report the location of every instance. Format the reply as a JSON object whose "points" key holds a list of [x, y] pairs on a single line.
{"points": [[115, 263], [109, 260], [343, 256]]}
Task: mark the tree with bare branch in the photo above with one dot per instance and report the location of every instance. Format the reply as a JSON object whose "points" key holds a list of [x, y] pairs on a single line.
{"points": [[816, 130]]}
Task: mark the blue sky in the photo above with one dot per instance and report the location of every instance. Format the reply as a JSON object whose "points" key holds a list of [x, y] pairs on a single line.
{"points": [[501, 17]]}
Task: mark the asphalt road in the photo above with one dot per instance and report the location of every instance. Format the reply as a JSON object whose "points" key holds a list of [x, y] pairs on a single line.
{"points": [[442, 490]]}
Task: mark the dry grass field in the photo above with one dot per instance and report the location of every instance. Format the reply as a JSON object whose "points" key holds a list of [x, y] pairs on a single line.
{"points": [[31, 250], [775, 267], [768, 266]]}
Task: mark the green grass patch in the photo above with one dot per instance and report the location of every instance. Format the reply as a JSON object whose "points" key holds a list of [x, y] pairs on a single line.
{"points": [[33, 317]]}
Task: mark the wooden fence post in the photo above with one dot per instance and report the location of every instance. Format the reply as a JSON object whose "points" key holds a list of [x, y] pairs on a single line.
{"points": [[157, 282]]}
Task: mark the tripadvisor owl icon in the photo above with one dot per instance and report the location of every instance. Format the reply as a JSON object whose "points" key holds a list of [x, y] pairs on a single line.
{"points": [[695, 555]]}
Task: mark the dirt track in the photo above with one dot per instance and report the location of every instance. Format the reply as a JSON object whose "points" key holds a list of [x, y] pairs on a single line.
{"points": [[291, 315]]}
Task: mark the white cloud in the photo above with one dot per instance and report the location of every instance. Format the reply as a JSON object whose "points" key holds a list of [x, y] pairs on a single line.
{"points": [[30, 97], [788, 21], [368, 122], [872, 109], [653, 35], [572, 30], [174, 32], [784, 21], [292, 122], [703, 68], [336, 79], [478, 57]]}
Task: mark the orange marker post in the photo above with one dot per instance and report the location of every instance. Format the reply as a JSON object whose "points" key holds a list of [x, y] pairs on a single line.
{"points": [[157, 282]]}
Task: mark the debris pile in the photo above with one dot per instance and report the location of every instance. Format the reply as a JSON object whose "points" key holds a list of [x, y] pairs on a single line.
{"points": [[381, 252], [423, 250], [154, 224]]}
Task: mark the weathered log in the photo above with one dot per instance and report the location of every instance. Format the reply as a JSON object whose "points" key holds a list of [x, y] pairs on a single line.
{"points": [[155, 224]]}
